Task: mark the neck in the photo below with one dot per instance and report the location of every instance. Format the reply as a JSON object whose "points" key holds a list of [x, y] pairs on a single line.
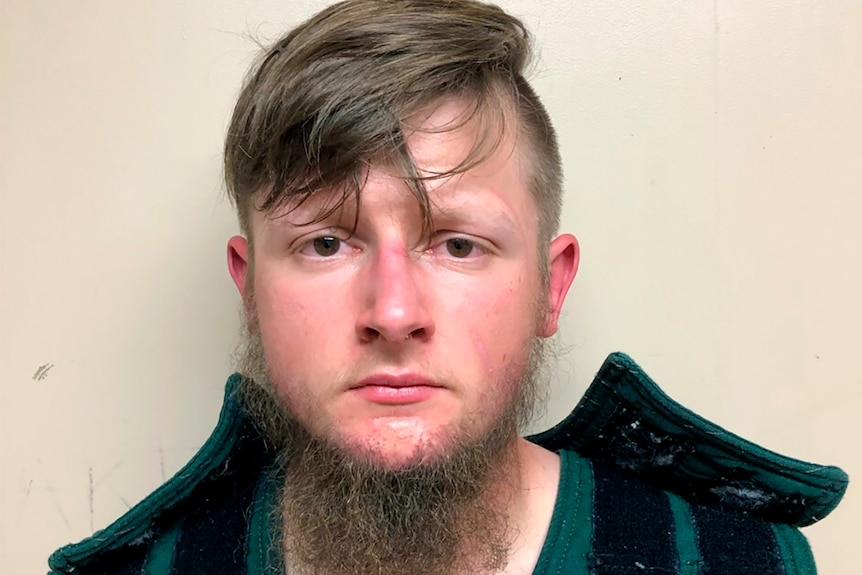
{"points": [[532, 505]]}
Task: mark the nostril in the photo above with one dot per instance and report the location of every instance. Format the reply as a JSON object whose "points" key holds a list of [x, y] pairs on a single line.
{"points": [[368, 334]]}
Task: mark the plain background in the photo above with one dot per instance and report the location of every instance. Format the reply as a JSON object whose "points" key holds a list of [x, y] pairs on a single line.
{"points": [[713, 153]]}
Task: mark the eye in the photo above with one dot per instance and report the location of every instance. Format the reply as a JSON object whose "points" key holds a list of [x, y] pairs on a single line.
{"points": [[460, 247], [326, 246]]}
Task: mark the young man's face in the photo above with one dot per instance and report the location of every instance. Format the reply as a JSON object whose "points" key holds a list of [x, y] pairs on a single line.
{"points": [[391, 347]]}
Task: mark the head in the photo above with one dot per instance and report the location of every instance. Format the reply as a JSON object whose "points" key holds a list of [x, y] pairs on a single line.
{"points": [[398, 185]]}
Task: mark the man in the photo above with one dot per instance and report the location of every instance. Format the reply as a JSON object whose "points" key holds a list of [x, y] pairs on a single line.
{"points": [[398, 187]]}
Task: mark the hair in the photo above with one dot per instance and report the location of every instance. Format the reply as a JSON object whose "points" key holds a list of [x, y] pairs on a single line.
{"points": [[337, 94]]}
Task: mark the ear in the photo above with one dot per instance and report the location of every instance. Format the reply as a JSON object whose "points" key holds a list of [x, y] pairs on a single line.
{"points": [[563, 259], [237, 263]]}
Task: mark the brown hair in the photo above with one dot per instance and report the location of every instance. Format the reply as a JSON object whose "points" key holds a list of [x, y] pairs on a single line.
{"points": [[336, 93]]}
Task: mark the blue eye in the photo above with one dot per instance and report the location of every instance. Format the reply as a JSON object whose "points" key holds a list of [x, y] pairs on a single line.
{"points": [[459, 247], [326, 246]]}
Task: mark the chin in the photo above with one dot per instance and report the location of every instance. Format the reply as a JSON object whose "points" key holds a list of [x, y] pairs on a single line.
{"points": [[399, 443]]}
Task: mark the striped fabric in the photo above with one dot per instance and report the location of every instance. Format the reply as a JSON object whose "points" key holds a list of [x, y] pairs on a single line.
{"points": [[610, 523]]}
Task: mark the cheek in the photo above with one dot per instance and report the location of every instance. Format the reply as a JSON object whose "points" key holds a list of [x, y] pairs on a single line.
{"points": [[281, 313], [501, 333], [292, 326], [296, 348]]}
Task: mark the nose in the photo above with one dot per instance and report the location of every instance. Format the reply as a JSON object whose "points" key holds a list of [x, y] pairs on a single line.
{"points": [[394, 305]]}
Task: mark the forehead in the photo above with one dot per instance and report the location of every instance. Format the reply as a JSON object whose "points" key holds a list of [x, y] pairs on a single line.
{"points": [[469, 156], [464, 158]]}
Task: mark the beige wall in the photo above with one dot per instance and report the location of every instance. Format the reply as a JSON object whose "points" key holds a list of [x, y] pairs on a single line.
{"points": [[714, 161]]}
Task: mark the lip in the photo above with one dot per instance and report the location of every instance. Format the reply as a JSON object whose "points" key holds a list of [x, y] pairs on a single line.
{"points": [[396, 380], [400, 389]]}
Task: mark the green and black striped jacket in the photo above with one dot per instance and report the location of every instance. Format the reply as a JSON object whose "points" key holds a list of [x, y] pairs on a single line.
{"points": [[647, 487]]}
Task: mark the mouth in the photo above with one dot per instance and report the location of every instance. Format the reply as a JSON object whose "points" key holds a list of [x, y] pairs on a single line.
{"points": [[402, 389]]}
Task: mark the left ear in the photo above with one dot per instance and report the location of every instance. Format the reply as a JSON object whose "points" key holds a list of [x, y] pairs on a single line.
{"points": [[563, 259]]}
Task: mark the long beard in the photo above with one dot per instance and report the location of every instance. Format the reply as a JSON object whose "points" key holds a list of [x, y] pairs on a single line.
{"points": [[342, 514]]}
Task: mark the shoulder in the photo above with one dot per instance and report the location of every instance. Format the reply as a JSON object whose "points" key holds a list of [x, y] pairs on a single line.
{"points": [[665, 487], [205, 507], [613, 521]]}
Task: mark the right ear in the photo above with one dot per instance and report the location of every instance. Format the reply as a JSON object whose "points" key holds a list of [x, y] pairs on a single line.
{"points": [[237, 263]]}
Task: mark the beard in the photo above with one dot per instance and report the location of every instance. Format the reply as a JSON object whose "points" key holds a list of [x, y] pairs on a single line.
{"points": [[345, 514]]}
